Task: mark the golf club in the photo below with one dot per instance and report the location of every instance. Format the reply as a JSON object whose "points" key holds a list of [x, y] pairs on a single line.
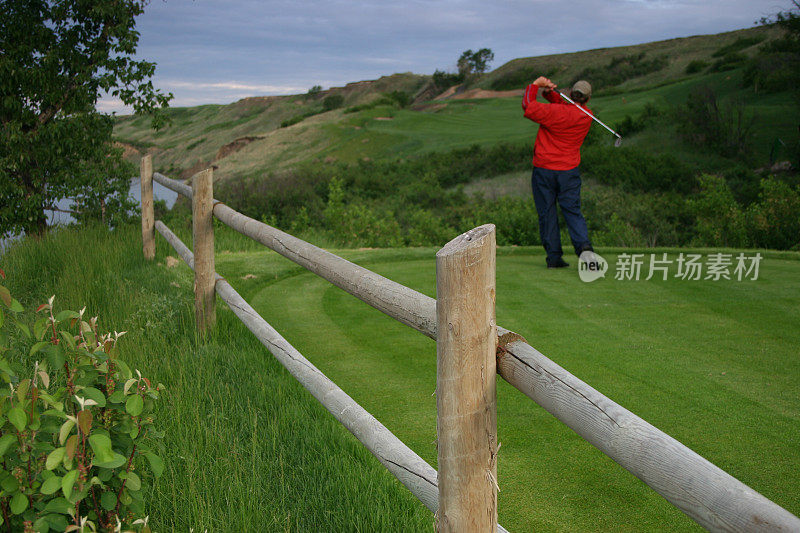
{"points": [[568, 99]]}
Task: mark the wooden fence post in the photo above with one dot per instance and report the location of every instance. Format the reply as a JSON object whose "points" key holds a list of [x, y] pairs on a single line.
{"points": [[203, 244], [148, 231], [466, 347]]}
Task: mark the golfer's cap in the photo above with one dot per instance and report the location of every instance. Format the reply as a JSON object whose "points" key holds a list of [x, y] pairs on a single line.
{"points": [[583, 87]]}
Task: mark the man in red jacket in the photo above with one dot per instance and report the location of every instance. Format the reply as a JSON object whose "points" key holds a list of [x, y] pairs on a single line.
{"points": [[556, 156]]}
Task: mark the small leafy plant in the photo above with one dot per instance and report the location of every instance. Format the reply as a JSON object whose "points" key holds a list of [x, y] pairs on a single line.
{"points": [[74, 431]]}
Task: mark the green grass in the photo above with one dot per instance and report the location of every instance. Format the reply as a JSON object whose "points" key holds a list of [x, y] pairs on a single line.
{"points": [[713, 364], [246, 447]]}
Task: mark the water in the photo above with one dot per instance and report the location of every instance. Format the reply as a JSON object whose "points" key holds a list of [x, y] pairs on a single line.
{"points": [[135, 193]]}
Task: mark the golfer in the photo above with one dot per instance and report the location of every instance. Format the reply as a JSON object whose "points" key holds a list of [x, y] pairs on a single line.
{"points": [[556, 156]]}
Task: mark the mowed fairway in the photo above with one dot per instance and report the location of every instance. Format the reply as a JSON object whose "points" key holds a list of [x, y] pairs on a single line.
{"points": [[715, 364]]}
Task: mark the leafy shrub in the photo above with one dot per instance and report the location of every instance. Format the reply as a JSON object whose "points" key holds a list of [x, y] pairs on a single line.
{"points": [[75, 434], [519, 78], [729, 61], [422, 227], [620, 218], [773, 72], [738, 45], [334, 101], [399, 98], [299, 118], [515, 219], [636, 170], [277, 195], [356, 223], [301, 222], [444, 80], [720, 221], [621, 69], [744, 184], [618, 232], [774, 221], [362, 107], [695, 66], [723, 127], [648, 116]]}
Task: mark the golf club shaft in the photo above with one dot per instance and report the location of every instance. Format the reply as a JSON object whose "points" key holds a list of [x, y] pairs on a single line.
{"points": [[568, 99]]}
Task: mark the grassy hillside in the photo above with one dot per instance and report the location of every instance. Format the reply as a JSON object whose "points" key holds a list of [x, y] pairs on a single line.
{"points": [[200, 135], [677, 53], [245, 139]]}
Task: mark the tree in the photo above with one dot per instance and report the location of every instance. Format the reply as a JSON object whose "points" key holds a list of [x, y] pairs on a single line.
{"points": [[474, 62], [57, 57]]}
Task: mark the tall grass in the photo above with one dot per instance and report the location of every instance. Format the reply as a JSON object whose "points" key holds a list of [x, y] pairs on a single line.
{"points": [[246, 447]]}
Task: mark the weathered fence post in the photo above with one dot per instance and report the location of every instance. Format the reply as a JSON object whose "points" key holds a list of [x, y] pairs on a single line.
{"points": [[203, 244], [148, 231], [466, 347]]}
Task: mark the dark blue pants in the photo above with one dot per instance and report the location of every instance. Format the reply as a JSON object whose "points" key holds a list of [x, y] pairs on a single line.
{"points": [[564, 187]]}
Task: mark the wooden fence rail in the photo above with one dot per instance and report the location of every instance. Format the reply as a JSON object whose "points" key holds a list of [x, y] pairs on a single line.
{"points": [[706, 493]]}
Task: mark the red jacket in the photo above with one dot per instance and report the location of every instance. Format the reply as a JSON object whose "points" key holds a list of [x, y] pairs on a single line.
{"points": [[562, 128]]}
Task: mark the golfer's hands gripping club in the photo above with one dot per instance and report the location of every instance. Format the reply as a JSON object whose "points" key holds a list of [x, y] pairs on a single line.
{"points": [[544, 83]]}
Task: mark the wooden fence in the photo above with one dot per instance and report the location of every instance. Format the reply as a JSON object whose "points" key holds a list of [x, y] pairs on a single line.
{"points": [[463, 494]]}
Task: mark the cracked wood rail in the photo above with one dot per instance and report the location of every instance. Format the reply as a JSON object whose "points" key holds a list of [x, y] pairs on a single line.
{"points": [[707, 494], [408, 467]]}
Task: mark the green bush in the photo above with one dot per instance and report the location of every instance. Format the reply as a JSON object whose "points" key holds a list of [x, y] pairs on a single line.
{"points": [[719, 218], [621, 69], [400, 98], [277, 195], [334, 101], [618, 232], [619, 218], [356, 223], [724, 127], [515, 219], [314, 91], [637, 170], [299, 118], [774, 221], [773, 72], [647, 117], [75, 435], [444, 80], [519, 78], [744, 183], [729, 61], [695, 66], [294, 120], [738, 45], [423, 227]]}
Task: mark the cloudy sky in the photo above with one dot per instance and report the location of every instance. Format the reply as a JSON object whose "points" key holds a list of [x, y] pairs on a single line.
{"points": [[218, 51]]}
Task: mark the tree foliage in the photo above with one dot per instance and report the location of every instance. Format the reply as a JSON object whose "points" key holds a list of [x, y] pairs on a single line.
{"points": [[57, 58], [474, 62]]}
